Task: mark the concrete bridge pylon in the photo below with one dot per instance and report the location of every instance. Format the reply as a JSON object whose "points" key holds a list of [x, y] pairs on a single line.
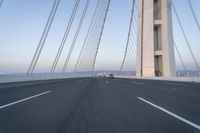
{"points": [[155, 48]]}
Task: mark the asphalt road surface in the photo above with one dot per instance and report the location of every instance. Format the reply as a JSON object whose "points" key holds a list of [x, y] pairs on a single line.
{"points": [[100, 105]]}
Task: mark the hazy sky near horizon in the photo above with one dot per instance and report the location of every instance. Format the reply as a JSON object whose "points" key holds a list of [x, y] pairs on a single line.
{"points": [[22, 23]]}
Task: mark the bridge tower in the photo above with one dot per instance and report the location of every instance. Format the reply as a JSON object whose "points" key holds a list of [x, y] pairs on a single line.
{"points": [[155, 49]]}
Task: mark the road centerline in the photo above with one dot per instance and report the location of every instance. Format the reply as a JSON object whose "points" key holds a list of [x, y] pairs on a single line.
{"points": [[171, 114], [25, 99]]}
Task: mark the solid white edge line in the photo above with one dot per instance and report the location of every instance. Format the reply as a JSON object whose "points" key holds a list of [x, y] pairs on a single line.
{"points": [[172, 114], [25, 99]]}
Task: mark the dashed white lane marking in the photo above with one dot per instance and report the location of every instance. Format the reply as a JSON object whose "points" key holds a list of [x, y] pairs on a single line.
{"points": [[173, 84], [25, 99], [107, 82], [173, 88], [172, 114]]}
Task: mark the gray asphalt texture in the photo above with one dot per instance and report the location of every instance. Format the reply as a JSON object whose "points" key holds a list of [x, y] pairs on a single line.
{"points": [[99, 105]]}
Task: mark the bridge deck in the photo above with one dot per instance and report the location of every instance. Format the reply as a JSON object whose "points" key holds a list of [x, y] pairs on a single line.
{"points": [[91, 105]]}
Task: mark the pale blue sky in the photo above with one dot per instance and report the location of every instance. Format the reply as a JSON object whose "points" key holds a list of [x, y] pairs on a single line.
{"points": [[22, 23]]}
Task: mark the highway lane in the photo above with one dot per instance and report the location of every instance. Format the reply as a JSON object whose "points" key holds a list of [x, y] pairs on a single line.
{"points": [[15, 91], [28, 83], [185, 99], [91, 105]]}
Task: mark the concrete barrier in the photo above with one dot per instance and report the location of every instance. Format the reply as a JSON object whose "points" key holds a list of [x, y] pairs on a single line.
{"points": [[22, 77], [181, 79], [35, 77]]}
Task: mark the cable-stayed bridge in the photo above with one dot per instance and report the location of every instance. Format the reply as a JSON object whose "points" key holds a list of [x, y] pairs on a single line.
{"points": [[152, 88]]}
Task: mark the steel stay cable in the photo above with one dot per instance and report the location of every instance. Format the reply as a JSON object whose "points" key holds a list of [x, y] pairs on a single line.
{"points": [[133, 59], [91, 33], [106, 14], [65, 36], [185, 37], [34, 65], [133, 41], [43, 37], [130, 27], [86, 49], [132, 49], [194, 15], [76, 36], [179, 55], [131, 54], [39, 44], [87, 35]]}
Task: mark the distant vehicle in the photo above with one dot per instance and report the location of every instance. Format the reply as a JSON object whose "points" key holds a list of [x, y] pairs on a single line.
{"points": [[111, 76], [99, 75]]}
